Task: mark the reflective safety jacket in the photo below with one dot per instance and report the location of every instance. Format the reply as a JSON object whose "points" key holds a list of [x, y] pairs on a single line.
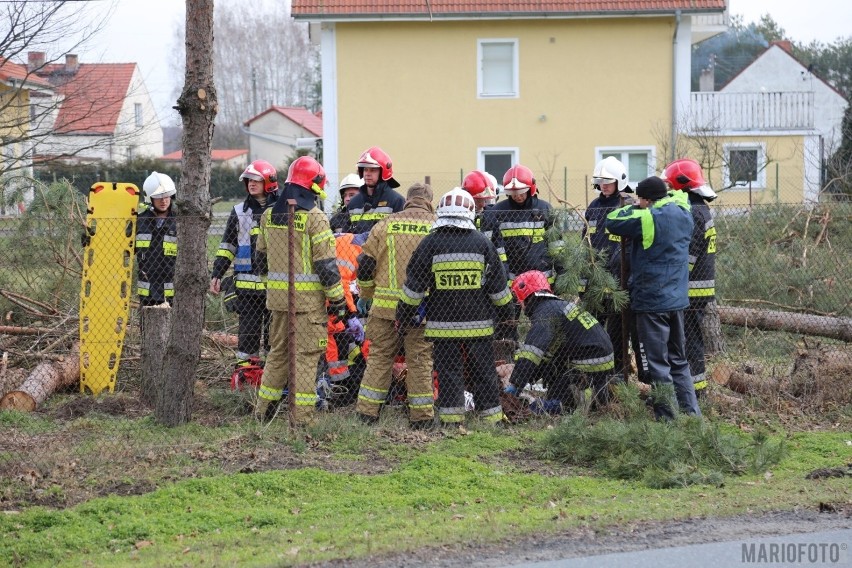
{"points": [[365, 210], [238, 244], [156, 252], [702, 252], [518, 231], [659, 252], [382, 266], [562, 336], [461, 273], [347, 264], [315, 270]]}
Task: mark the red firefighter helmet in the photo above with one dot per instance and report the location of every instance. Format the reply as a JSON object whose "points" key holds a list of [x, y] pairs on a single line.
{"points": [[261, 170], [529, 283], [375, 157], [308, 173], [518, 180], [480, 185], [684, 174]]}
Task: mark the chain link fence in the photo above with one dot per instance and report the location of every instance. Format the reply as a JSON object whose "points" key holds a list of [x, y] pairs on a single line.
{"points": [[780, 322]]}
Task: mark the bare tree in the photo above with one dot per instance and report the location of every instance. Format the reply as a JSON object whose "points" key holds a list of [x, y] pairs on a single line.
{"points": [[38, 76], [197, 106], [263, 57]]}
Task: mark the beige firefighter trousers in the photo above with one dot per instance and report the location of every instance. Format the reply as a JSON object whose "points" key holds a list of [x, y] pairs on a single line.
{"points": [[311, 341], [384, 345]]}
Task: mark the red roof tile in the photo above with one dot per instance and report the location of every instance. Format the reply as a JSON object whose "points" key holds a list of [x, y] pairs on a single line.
{"points": [[93, 98], [215, 155], [359, 9], [15, 71], [300, 115]]}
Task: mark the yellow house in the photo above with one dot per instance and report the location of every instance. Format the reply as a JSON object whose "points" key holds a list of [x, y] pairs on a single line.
{"points": [[448, 86], [16, 85]]}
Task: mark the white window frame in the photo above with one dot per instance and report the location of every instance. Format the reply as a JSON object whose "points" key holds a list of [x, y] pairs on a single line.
{"points": [[137, 114], [623, 151], [480, 91], [481, 152], [760, 183]]}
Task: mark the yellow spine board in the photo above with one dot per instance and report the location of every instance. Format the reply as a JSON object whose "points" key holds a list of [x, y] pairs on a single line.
{"points": [[105, 291]]}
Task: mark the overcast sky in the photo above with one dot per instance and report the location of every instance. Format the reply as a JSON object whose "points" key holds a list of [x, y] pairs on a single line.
{"points": [[142, 31]]}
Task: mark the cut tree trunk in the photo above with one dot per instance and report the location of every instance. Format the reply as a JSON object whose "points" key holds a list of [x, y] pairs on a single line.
{"points": [[155, 338], [45, 379], [807, 324], [711, 328]]}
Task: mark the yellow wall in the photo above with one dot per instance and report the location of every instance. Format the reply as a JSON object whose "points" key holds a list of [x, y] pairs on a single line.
{"points": [[15, 110], [785, 175], [411, 89]]}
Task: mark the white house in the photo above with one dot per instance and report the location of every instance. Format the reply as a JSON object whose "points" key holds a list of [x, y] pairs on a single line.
{"points": [[276, 134], [100, 112]]}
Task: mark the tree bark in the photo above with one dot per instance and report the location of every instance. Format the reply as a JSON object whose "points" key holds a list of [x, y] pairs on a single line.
{"points": [[197, 106], [807, 324], [155, 339], [45, 379], [711, 328]]}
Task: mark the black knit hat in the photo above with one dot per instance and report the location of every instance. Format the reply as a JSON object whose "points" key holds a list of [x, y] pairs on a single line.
{"points": [[652, 188]]}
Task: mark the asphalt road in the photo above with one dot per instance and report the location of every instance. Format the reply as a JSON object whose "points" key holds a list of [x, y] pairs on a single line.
{"points": [[823, 548]]}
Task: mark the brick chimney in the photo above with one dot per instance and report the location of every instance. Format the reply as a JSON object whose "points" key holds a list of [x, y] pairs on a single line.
{"points": [[35, 61], [784, 44], [71, 63]]}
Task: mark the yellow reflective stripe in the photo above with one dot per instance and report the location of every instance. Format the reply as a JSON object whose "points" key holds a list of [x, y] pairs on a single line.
{"points": [[224, 253], [170, 249], [457, 265], [254, 230], [460, 333], [528, 355], [247, 285], [334, 292], [594, 368], [701, 292], [502, 298], [382, 303], [306, 399], [370, 394], [303, 286], [392, 280], [270, 393]]}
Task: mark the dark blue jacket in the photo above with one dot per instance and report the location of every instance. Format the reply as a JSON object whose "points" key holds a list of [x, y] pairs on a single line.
{"points": [[366, 210], [659, 252]]}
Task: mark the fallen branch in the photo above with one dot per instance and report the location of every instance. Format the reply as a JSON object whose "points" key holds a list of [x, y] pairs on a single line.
{"points": [[831, 327], [25, 303], [18, 330]]}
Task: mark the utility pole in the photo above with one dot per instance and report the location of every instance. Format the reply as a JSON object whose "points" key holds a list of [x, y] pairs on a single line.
{"points": [[254, 91]]}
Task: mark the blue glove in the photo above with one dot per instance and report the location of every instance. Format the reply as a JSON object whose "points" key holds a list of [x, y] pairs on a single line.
{"points": [[355, 329], [511, 389], [363, 305]]}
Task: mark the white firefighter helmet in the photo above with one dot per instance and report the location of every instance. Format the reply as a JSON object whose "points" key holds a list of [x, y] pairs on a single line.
{"points": [[456, 208], [609, 170], [351, 180], [158, 186]]}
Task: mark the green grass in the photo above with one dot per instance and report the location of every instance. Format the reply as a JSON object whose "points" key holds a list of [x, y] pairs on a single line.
{"points": [[455, 489]]}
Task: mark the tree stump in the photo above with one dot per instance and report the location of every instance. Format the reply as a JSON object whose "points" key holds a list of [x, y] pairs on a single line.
{"points": [[155, 335]]}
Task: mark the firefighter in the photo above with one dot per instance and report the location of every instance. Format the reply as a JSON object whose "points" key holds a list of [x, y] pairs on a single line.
{"points": [[317, 280], [459, 270], [237, 248], [483, 187], [685, 175], [377, 198], [520, 224], [565, 346], [350, 185], [610, 179], [156, 242], [381, 274], [660, 229]]}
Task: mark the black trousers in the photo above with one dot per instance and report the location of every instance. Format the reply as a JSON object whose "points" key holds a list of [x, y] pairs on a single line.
{"points": [[662, 345], [450, 357], [254, 325]]}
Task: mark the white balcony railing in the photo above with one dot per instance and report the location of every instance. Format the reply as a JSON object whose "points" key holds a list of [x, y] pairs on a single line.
{"points": [[711, 111]]}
